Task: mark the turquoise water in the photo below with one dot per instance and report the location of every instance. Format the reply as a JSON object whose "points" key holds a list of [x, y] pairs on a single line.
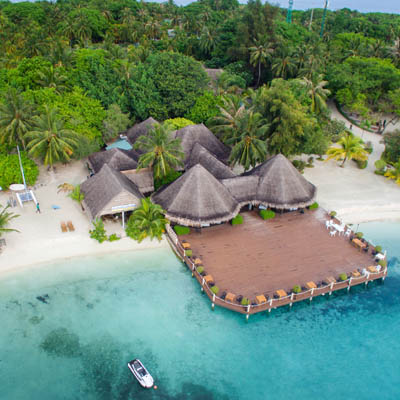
{"points": [[102, 312]]}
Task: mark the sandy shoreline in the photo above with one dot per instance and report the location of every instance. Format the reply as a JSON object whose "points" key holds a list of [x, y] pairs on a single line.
{"points": [[356, 195]]}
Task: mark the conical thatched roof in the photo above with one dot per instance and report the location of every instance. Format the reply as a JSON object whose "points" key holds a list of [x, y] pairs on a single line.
{"points": [[281, 185], [192, 134], [140, 129], [142, 178], [197, 198], [107, 190], [200, 155], [242, 188], [119, 159]]}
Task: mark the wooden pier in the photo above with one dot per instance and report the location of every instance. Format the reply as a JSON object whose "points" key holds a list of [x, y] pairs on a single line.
{"points": [[262, 261]]}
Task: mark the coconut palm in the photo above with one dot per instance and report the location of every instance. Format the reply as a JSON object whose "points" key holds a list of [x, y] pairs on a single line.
{"points": [[161, 152], [53, 78], [50, 140], [284, 65], [65, 187], [15, 118], [259, 55], [208, 40], [226, 123], [249, 147], [5, 218], [146, 221], [351, 147], [77, 195], [317, 92], [394, 173]]}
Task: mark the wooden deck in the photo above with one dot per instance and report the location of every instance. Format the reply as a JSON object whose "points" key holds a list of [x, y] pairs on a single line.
{"points": [[260, 257]]}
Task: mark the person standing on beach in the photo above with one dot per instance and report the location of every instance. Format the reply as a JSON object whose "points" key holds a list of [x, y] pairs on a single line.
{"points": [[38, 208]]}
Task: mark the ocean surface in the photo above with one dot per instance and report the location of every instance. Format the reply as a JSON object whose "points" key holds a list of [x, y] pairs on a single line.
{"points": [[95, 314]]}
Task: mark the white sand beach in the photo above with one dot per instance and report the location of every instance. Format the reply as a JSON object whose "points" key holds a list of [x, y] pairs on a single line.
{"points": [[41, 240], [357, 196]]}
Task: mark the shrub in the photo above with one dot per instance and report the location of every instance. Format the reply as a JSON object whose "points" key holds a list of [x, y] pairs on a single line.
{"points": [[361, 164], [245, 301], [296, 289], [215, 289], [189, 253], [238, 220], [299, 165], [181, 230], [380, 166], [368, 147], [359, 235], [378, 249], [382, 263], [333, 214], [177, 123], [200, 270], [113, 237], [267, 214], [343, 276], [98, 233], [313, 206]]}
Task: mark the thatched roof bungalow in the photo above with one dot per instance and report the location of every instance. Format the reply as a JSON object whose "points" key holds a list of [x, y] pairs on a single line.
{"points": [[140, 129], [281, 185], [142, 178], [118, 159], [109, 192], [242, 188], [192, 134], [197, 199], [200, 155]]}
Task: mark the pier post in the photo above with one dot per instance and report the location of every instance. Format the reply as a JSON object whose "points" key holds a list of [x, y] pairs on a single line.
{"points": [[192, 270], [366, 282], [202, 285], [270, 306], [330, 292], [291, 300], [312, 292], [213, 302], [247, 312], [348, 287]]}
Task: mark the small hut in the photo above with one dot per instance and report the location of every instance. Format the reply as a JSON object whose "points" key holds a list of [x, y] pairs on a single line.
{"points": [[140, 129], [281, 186], [242, 188], [118, 159], [192, 134], [109, 192], [200, 155], [197, 199]]}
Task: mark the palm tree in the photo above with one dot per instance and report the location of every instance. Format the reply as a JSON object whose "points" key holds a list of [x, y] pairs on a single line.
{"points": [[283, 65], [146, 221], [259, 54], [53, 78], [15, 118], [208, 40], [394, 173], [249, 146], [317, 92], [350, 147], [226, 123], [50, 139], [161, 151], [5, 218], [77, 195]]}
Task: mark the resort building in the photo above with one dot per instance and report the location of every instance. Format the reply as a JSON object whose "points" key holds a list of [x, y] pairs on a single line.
{"points": [[140, 129]]}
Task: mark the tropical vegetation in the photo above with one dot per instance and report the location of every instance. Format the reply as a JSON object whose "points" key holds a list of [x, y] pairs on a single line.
{"points": [[5, 219]]}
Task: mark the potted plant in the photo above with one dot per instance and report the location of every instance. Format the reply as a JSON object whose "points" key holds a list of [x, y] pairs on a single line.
{"points": [[359, 235], [333, 214], [296, 289], [343, 277]]}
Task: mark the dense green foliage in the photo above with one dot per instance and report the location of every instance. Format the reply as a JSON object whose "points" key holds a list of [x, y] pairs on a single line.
{"points": [[392, 146], [177, 123], [5, 219], [10, 171], [205, 108], [98, 232]]}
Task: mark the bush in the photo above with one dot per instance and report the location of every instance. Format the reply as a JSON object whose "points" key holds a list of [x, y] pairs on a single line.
{"points": [[313, 206], [215, 289], [181, 230], [267, 214], [343, 277], [245, 301], [98, 233], [359, 235], [11, 173], [361, 164], [378, 249], [113, 237], [200, 270], [333, 214], [382, 263], [205, 107], [177, 123], [238, 220], [380, 166], [296, 289], [189, 253], [299, 165], [368, 147]]}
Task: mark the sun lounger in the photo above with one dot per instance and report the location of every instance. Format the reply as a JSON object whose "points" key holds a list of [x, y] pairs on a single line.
{"points": [[261, 299], [71, 227], [230, 297], [281, 293], [311, 285], [63, 227]]}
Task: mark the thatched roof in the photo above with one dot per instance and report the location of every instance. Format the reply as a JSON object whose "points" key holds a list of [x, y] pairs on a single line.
{"points": [[200, 155], [242, 188], [281, 186], [119, 159], [104, 187], [197, 198], [142, 178], [140, 129], [192, 134]]}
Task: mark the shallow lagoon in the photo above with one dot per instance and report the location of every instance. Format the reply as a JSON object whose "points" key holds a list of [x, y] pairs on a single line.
{"points": [[101, 312]]}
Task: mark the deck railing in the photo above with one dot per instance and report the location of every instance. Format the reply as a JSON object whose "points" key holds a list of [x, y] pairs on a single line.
{"points": [[272, 302]]}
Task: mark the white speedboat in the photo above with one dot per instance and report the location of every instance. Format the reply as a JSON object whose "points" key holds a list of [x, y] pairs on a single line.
{"points": [[141, 373]]}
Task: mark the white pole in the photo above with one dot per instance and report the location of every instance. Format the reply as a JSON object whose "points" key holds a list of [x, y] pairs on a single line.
{"points": [[123, 219], [22, 169]]}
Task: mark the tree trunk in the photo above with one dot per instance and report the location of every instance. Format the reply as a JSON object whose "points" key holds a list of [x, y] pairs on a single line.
{"points": [[342, 165]]}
